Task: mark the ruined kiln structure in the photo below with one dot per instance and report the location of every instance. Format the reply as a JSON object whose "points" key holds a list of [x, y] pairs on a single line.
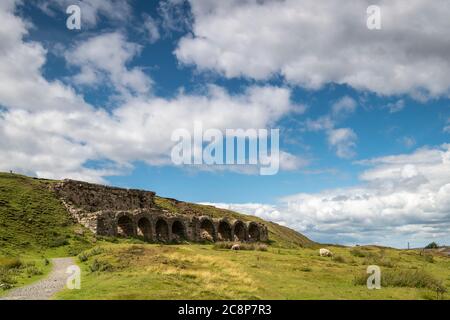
{"points": [[113, 211]]}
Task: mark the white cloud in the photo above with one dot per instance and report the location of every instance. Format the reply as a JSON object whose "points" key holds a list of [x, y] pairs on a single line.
{"points": [[344, 106], [446, 129], [403, 198], [106, 56], [151, 29], [344, 142], [48, 130], [311, 43], [396, 106]]}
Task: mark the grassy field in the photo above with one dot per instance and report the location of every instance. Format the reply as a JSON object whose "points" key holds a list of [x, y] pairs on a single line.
{"points": [[34, 227], [147, 271]]}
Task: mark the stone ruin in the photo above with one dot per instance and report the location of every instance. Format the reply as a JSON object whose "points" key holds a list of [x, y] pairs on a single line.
{"points": [[117, 212]]}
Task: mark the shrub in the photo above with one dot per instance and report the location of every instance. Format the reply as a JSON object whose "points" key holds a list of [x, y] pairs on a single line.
{"points": [[58, 242], [305, 269], [428, 258], [405, 278], [100, 265], [432, 245], [33, 271], [243, 246], [10, 263], [358, 253], [85, 255], [339, 259], [379, 260]]}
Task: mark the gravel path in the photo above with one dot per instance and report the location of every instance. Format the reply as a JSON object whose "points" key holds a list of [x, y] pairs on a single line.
{"points": [[44, 289]]}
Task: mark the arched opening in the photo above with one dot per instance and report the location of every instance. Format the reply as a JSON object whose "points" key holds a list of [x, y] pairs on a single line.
{"points": [[178, 231], [253, 232], [162, 230], [239, 231], [224, 231], [125, 227], [207, 231], [144, 229]]}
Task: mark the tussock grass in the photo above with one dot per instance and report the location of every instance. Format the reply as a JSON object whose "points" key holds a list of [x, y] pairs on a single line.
{"points": [[242, 246], [405, 278]]}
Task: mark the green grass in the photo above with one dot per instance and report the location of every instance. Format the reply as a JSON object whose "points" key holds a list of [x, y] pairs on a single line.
{"points": [[148, 271], [279, 236], [34, 226], [32, 219]]}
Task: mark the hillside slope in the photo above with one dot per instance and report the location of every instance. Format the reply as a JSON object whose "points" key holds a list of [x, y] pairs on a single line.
{"points": [[32, 218]]}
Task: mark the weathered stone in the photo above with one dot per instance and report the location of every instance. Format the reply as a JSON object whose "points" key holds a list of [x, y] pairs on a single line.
{"points": [[110, 211]]}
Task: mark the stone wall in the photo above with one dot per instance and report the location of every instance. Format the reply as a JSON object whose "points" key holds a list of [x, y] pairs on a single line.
{"points": [[120, 212], [94, 197]]}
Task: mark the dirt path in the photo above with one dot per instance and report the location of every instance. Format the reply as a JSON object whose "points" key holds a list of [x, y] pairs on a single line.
{"points": [[44, 289]]}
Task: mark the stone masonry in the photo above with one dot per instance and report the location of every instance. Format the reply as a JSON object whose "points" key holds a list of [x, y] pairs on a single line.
{"points": [[111, 211]]}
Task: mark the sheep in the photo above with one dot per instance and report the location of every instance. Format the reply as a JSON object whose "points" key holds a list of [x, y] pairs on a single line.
{"points": [[325, 253], [205, 236], [236, 246]]}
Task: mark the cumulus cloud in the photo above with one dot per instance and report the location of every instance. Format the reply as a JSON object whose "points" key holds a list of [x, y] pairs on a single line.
{"points": [[105, 57], [151, 29], [342, 140], [409, 55], [396, 106], [48, 130], [402, 198]]}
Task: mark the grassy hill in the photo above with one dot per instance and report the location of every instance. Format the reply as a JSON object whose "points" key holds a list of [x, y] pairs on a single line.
{"points": [[149, 271], [33, 219], [34, 226]]}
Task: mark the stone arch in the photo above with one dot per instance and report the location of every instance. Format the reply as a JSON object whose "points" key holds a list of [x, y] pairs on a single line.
{"points": [[144, 228], [178, 231], [224, 231], [254, 233], [207, 230], [239, 231], [125, 226], [162, 230]]}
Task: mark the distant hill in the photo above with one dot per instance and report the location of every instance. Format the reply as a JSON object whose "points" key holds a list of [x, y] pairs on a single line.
{"points": [[33, 218]]}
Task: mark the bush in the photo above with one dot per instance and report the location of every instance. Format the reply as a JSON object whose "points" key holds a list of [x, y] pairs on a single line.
{"points": [[33, 271], [428, 258], [339, 259], [358, 253], [10, 263], [432, 245], [379, 260], [58, 242], [405, 278], [101, 266], [85, 255], [243, 246]]}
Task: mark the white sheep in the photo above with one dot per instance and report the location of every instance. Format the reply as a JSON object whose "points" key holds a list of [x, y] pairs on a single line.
{"points": [[236, 246], [325, 253]]}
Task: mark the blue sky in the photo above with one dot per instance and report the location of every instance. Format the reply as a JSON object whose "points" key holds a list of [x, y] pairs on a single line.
{"points": [[363, 114]]}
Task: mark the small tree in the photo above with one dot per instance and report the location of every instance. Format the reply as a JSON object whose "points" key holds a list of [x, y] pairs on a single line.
{"points": [[432, 245]]}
